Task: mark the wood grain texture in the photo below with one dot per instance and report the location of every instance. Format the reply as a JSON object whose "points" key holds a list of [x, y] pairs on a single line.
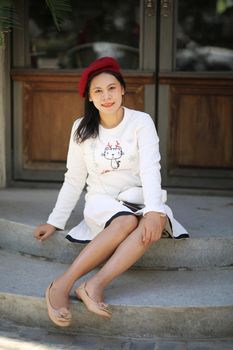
{"points": [[201, 127]]}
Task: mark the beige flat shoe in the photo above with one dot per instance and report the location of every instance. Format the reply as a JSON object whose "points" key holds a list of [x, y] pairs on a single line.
{"points": [[61, 317], [100, 309]]}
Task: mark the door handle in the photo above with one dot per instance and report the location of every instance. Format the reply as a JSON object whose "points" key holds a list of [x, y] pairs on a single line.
{"points": [[165, 8], [150, 8]]}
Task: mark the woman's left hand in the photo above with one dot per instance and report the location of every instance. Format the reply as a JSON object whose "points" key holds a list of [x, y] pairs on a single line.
{"points": [[152, 227]]}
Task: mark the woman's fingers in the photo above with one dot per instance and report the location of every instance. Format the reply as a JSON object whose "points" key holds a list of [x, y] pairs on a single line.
{"points": [[42, 232], [151, 234], [153, 226], [38, 233], [46, 235], [146, 235], [143, 234]]}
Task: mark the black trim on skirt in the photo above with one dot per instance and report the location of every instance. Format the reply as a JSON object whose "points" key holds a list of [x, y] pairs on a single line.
{"points": [[73, 240], [120, 213]]}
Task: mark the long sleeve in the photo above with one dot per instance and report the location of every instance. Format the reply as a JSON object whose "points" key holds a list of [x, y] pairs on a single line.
{"points": [[74, 182], [149, 163]]}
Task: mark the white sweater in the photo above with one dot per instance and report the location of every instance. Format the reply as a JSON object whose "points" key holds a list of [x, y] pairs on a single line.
{"points": [[119, 158]]}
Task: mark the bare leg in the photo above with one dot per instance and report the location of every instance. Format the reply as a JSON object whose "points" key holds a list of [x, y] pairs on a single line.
{"points": [[91, 256], [127, 253]]}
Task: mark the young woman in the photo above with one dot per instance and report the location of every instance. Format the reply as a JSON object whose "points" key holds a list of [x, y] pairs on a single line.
{"points": [[114, 151]]}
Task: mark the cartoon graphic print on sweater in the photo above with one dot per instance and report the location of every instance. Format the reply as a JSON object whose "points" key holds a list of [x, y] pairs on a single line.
{"points": [[113, 153]]}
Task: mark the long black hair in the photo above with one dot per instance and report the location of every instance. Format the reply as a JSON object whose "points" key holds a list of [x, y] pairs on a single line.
{"points": [[89, 126]]}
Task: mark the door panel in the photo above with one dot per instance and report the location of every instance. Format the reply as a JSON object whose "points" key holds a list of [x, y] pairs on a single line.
{"points": [[196, 131], [201, 127], [48, 114]]}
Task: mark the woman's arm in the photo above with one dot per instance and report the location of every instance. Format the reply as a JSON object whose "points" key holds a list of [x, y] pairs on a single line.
{"points": [[70, 192], [149, 163]]}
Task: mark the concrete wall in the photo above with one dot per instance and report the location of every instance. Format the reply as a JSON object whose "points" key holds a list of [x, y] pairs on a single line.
{"points": [[2, 118]]}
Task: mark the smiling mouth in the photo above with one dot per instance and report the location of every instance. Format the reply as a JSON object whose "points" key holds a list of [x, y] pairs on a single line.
{"points": [[107, 105]]}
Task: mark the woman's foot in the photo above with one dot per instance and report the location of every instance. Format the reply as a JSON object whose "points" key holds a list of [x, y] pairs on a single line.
{"points": [[59, 297], [57, 304], [94, 291], [93, 300]]}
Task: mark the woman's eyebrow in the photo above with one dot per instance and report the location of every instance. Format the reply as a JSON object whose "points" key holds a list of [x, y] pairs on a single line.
{"points": [[98, 87]]}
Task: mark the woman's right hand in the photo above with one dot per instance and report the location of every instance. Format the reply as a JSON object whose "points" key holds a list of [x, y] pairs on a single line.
{"points": [[42, 232]]}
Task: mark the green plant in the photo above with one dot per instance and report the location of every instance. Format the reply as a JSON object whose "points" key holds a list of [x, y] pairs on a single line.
{"points": [[9, 19], [59, 10]]}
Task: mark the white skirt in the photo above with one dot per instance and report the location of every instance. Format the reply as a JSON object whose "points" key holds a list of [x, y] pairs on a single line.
{"points": [[101, 209]]}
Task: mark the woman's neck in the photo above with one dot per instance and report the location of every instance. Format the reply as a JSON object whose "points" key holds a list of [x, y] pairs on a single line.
{"points": [[110, 121]]}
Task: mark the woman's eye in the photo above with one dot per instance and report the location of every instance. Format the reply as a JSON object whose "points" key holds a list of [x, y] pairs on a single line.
{"points": [[97, 91], [112, 87]]}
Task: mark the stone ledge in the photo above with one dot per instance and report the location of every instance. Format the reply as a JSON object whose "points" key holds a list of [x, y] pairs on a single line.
{"points": [[192, 253]]}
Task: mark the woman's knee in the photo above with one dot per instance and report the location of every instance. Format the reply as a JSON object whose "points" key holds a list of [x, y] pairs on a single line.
{"points": [[125, 224]]}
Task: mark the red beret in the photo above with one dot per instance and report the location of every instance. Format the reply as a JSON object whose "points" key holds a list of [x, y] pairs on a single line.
{"points": [[100, 65]]}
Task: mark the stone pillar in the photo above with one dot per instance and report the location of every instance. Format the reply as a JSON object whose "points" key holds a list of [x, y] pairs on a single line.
{"points": [[2, 119]]}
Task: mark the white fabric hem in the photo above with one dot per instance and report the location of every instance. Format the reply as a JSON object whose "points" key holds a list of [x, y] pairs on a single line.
{"points": [[82, 231]]}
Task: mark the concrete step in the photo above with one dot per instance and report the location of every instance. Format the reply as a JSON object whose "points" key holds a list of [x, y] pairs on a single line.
{"points": [[193, 253], [18, 337], [208, 219], [145, 303]]}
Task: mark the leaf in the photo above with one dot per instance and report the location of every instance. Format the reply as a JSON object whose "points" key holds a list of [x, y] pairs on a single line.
{"points": [[9, 19], [59, 10], [8, 16]]}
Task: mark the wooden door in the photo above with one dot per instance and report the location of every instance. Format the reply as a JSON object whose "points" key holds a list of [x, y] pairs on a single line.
{"points": [[47, 72], [196, 94]]}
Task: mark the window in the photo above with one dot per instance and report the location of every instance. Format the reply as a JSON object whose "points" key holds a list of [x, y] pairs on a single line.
{"points": [[95, 29], [204, 39]]}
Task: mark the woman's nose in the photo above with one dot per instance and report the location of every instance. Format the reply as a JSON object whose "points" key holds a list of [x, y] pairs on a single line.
{"points": [[106, 95]]}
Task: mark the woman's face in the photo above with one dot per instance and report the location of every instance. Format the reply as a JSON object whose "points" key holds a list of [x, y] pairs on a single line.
{"points": [[106, 93]]}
